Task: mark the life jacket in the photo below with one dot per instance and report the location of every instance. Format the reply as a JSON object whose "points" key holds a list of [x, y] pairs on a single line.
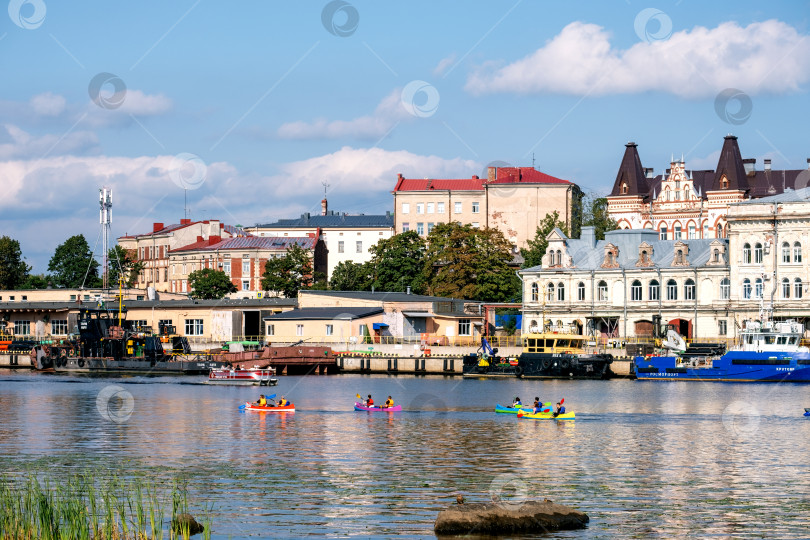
{"points": [[262, 402], [370, 402], [282, 402], [389, 402]]}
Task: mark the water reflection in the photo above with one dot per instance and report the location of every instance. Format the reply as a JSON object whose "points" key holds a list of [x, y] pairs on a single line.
{"points": [[643, 459]]}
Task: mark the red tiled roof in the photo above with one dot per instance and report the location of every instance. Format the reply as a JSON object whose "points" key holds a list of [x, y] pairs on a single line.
{"points": [[504, 175], [509, 175]]}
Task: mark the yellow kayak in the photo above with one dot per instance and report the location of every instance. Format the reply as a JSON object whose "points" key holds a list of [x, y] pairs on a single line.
{"points": [[547, 416]]}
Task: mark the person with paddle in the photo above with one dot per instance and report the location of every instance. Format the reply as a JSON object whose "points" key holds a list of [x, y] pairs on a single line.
{"points": [[559, 409], [538, 406], [388, 403], [282, 402], [516, 404], [262, 401], [369, 402]]}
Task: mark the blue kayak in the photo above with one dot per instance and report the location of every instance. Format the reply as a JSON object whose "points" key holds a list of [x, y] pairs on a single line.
{"points": [[525, 408]]}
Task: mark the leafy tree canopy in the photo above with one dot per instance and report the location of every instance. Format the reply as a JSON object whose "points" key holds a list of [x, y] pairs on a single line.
{"points": [[13, 269], [119, 258], [289, 274], [596, 216], [398, 263], [71, 262], [210, 284], [36, 281], [533, 254], [351, 276]]}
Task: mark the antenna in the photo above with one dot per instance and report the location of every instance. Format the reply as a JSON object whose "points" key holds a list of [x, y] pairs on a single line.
{"points": [[105, 218], [325, 185], [532, 160], [185, 203]]}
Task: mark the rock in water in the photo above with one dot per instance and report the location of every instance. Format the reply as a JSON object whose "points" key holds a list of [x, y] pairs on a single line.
{"points": [[183, 521], [530, 517]]}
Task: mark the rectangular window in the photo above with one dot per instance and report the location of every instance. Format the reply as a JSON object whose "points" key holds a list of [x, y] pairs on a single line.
{"points": [[676, 232], [405, 226], [430, 227], [194, 327], [245, 284], [692, 232], [457, 208], [475, 207], [722, 327], [430, 208], [22, 328], [226, 267], [581, 292], [271, 330], [340, 246], [440, 208], [245, 267], [329, 329], [359, 246], [464, 327], [299, 329], [475, 224], [165, 324], [406, 208], [420, 208], [59, 327], [420, 229]]}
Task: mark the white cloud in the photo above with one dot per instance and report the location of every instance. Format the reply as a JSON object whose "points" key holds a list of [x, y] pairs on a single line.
{"points": [[19, 144], [705, 163], [136, 103], [443, 64], [48, 104], [764, 57], [388, 112]]}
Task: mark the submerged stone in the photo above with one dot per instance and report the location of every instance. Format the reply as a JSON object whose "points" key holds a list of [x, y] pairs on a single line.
{"points": [[529, 517], [186, 521]]}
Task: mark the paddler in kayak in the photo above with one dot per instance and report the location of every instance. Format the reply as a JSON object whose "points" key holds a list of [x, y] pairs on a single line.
{"points": [[558, 410], [282, 402], [388, 403], [516, 404], [369, 402], [538, 405], [262, 401]]}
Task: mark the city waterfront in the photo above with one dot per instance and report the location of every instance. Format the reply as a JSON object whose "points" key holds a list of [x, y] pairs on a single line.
{"points": [[643, 459]]}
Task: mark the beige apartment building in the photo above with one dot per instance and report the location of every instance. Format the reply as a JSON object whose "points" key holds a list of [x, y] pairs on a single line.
{"points": [[513, 200]]}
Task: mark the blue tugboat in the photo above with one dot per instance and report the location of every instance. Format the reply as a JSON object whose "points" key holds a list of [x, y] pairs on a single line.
{"points": [[768, 351]]}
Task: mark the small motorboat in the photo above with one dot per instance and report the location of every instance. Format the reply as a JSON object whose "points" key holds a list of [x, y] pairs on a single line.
{"points": [[268, 408], [807, 411], [547, 416], [243, 377], [501, 409], [361, 407]]}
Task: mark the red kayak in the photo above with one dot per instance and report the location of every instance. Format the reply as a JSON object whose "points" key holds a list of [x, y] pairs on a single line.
{"points": [[361, 407], [268, 408]]}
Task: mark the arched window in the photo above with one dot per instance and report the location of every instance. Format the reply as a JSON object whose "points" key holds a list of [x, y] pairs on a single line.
{"points": [[672, 290], [676, 232], [725, 289], [705, 230], [716, 256], [624, 188], [602, 292], [559, 257], [550, 292], [758, 288], [746, 253], [746, 289], [797, 252], [535, 292], [581, 291], [797, 288], [785, 252], [785, 288], [663, 235], [635, 291], [758, 253], [655, 289], [720, 231], [689, 290], [560, 292], [691, 229]]}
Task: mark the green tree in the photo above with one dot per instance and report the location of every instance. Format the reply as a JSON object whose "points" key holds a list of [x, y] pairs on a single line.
{"points": [[119, 258], [533, 254], [71, 262], [351, 276], [596, 216], [210, 284], [36, 281], [289, 274], [470, 263], [13, 269], [397, 263]]}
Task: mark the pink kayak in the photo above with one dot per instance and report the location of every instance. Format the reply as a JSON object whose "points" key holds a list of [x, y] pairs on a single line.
{"points": [[361, 407]]}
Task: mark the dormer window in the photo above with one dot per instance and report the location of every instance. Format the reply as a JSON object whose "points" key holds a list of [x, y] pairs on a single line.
{"points": [[645, 252], [624, 188], [611, 259], [723, 183], [681, 253]]}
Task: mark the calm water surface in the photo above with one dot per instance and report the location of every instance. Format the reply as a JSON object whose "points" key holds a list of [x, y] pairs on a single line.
{"points": [[643, 459]]}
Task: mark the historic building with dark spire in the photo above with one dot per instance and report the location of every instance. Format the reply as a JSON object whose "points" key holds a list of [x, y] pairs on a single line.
{"points": [[684, 204]]}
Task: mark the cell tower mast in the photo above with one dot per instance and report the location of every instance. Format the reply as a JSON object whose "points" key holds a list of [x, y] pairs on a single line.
{"points": [[105, 218]]}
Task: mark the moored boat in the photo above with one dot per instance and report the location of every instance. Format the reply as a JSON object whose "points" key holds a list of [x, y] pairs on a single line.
{"points": [[767, 351], [268, 408], [243, 377], [361, 407]]}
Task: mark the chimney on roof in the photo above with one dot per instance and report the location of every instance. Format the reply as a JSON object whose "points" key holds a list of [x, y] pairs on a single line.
{"points": [[475, 176], [808, 163], [200, 238], [767, 164], [492, 173], [156, 227], [323, 206], [750, 165], [399, 177], [185, 221], [648, 172]]}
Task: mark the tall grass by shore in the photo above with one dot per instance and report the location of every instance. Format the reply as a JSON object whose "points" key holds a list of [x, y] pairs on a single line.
{"points": [[84, 508]]}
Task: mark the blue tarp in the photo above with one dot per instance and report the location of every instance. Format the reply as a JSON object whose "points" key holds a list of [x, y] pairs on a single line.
{"points": [[378, 325], [501, 319]]}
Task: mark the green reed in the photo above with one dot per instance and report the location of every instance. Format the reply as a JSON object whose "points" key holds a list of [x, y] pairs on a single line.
{"points": [[84, 508]]}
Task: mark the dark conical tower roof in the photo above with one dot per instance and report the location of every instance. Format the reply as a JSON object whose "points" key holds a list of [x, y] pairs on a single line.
{"points": [[731, 166], [631, 174]]}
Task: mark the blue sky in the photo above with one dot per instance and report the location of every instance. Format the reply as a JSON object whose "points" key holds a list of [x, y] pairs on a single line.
{"points": [[253, 105]]}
